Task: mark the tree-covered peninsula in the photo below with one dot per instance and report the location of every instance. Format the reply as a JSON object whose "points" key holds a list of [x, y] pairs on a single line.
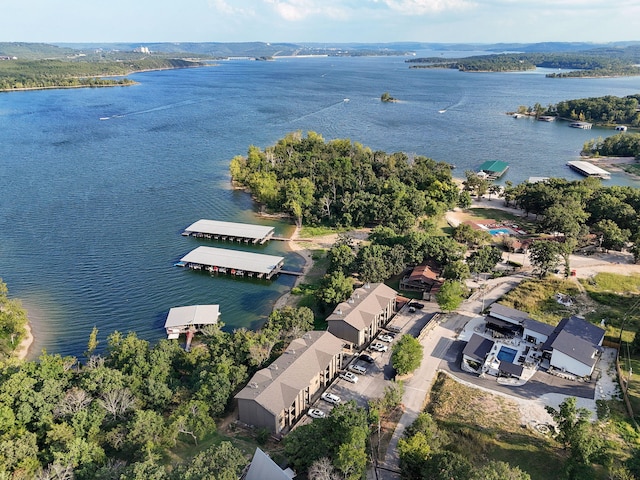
{"points": [[594, 63], [340, 183], [16, 74], [13, 321]]}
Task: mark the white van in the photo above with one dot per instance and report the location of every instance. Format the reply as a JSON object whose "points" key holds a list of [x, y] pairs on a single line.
{"points": [[394, 328]]}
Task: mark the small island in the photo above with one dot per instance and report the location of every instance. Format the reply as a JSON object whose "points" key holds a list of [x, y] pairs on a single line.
{"points": [[386, 98]]}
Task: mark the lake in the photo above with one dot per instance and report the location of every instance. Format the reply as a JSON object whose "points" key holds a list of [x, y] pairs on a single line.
{"points": [[97, 184]]}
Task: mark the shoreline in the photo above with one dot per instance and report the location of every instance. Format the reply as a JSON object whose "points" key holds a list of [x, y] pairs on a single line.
{"points": [[295, 247], [22, 352]]}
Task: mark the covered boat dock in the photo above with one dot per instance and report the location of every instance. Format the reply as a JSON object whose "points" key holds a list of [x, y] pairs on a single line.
{"points": [[190, 319], [240, 232], [588, 170], [233, 262], [493, 169]]}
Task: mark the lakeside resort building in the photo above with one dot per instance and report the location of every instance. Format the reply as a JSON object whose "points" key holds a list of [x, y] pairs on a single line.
{"points": [[423, 279], [276, 397], [509, 343], [360, 318]]}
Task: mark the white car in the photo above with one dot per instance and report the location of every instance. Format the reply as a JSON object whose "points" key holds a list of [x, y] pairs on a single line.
{"points": [[378, 347], [358, 369], [331, 398], [349, 377], [316, 413], [386, 338]]}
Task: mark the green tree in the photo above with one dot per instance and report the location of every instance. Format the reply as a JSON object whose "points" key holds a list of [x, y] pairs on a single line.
{"points": [[612, 237], [495, 470], [450, 296], [544, 257], [406, 355], [334, 288], [457, 270], [218, 462], [484, 259]]}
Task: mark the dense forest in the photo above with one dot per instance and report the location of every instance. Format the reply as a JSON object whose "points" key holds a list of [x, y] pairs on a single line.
{"points": [[620, 145], [135, 411], [607, 110], [17, 74], [618, 62], [340, 183]]}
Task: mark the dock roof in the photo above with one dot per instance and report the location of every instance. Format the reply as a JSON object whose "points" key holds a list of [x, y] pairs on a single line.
{"points": [[494, 166], [192, 315], [227, 258], [230, 229], [588, 169]]}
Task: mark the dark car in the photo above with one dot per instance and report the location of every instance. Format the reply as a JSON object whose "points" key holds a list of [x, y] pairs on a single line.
{"points": [[416, 305], [366, 358]]}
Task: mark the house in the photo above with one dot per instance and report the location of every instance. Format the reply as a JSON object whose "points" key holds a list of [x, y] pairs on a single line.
{"points": [[574, 346], [277, 396], [536, 332], [423, 279], [476, 351], [506, 321], [361, 317], [262, 467]]}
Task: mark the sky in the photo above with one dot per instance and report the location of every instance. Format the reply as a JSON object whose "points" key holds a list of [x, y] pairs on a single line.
{"points": [[334, 21]]}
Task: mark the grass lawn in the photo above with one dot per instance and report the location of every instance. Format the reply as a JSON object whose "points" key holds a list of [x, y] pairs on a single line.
{"points": [[484, 427], [632, 365], [501, 216]]}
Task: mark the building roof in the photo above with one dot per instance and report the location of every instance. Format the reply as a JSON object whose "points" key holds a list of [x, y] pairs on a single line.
{"points": [[478, 347], [507, 313], [588, 168], [576, 338], [263, 468], [227, 258], [422, 273], [192, 315], [510, 368], [230, 229], [538, 327], [364, 304], [494, 166], [276, 387]]}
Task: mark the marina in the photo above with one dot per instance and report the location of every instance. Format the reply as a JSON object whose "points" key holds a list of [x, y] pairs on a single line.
{"points": [[231, 231], [588, 170], [190, 320], [232, 262]]}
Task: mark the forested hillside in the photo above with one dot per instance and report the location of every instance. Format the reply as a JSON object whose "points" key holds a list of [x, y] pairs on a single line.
{"points": [[344, 183]]}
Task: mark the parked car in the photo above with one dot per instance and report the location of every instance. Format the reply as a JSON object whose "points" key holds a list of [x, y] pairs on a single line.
{"points": [[331, 398], [378, 347], [316, 413], [358, 369], [412, 309], [417, 305], [386, 338], [394, 328], [366, 358], [349, 377]]}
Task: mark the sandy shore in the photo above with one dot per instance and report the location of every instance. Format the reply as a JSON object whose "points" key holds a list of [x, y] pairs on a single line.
{"points": [[23, 349]]}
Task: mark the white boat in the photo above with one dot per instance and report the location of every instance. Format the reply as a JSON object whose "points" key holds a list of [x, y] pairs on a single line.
{"points": [[442, 111]]}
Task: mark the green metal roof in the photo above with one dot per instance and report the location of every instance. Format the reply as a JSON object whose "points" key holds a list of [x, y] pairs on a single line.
{"points": [[494, 166]]}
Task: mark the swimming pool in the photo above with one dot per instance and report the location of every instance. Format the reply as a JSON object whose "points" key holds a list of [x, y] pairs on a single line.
{"points": [[501, 231], [507, 354]]}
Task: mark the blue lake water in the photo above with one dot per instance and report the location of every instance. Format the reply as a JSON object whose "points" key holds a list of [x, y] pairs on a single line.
{"points": [[91, 210]]}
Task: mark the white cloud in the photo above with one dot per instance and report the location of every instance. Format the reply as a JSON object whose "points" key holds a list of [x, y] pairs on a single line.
{"points": [[421, 7], [224, 7]]}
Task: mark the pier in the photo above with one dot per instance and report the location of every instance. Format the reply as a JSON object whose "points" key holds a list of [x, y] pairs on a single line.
{"points": [[230, 231], [232, 262], [588, 170]]}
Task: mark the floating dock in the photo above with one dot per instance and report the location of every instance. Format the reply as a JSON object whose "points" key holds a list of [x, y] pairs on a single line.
{"points": [[582, 125], [232, 262], [589, 170], [493, 169], [190, 319], [231, 231]]}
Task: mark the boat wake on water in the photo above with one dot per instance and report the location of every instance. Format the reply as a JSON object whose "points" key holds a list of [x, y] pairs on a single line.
{"points": [[152, 110], [310, 114]]}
